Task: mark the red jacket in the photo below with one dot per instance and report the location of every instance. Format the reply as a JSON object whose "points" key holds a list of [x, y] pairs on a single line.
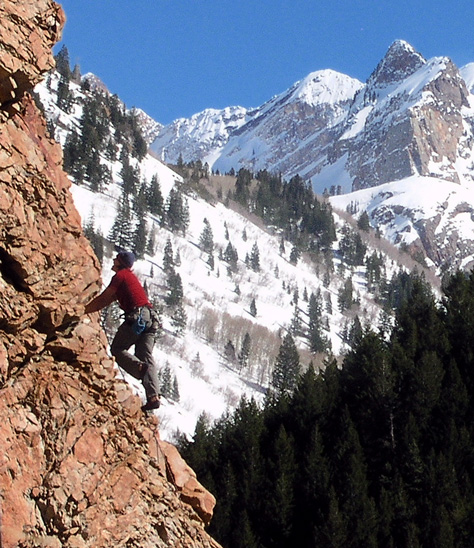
{"points": [[129, 291]]}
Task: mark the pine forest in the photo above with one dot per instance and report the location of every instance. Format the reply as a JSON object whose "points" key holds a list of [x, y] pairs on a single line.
{"points": [[378, 452]]}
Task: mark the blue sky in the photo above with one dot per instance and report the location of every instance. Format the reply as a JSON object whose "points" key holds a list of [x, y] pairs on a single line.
{"points": [[173, 58]]}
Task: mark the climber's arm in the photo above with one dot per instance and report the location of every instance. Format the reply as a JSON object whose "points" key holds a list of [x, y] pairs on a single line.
{"points": [[107, 297]]}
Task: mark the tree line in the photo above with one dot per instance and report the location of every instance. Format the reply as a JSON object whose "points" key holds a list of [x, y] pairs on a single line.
{"points": [[378, 452]]}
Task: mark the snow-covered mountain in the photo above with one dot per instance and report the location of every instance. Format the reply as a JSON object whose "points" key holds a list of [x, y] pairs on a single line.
{"points": [[427, 215], [276, 136], [412, 118], [200, 137], [224, 304]]}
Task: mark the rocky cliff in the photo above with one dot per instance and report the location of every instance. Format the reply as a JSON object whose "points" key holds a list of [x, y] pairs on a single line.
{"points": [[80, 465], [413, 120]]}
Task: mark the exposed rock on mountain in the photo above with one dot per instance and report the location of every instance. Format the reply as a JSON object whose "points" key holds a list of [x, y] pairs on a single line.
{"points": [[80, 465], [407, 119], [200, 137], [412, 118], [294, 128], [400, 61], [406, 125]]}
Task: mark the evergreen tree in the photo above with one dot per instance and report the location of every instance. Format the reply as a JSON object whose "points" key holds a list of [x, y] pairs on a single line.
{"points": [[334, 532], [138, 143], [155, 197], [151, 244], [140, 238], [63, 65], [374, 265], [296, 295], [175, 293], [229, 351], [350, 480], [76, 74], [177, 212], [95, 126], [345, 297], [351, 247], [130, 176], [369, 381], [317, 341], [121, 233], [363, 222], [355, 333], [231, 256], [294, 255], [166, 381], [287, 367], [206, 240], [253, 308], [64, 96], [296, 322], [140, 202], [168, 260], [97, 173], [242, 186], [72, 158], [175, 396], [254, 259], [282, 246], [279, 503], [420, 346], [244, 353], [459, 304], [210, 261]]}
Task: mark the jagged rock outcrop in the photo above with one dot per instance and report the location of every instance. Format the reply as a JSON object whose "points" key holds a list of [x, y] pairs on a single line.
{"points": [[80, 465], [25, 45], [413, 120]]}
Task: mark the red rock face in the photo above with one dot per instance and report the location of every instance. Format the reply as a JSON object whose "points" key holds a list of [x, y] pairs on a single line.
{"points": [[80, 465], [29, 30]]}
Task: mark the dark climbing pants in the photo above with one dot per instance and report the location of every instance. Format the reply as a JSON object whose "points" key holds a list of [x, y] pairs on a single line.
{"points": [[144, 343]]}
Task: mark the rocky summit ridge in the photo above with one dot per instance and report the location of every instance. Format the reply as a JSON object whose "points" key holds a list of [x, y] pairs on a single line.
{"points": [[80, 465], [412, 120], [411, 117]]}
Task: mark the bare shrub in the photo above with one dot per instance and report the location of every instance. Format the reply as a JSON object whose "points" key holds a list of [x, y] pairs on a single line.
{"points": [[231, 398], [205, 323]]}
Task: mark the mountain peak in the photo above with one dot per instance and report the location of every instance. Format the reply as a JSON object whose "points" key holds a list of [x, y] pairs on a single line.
{"points": [[325, 86], [400, 61]]}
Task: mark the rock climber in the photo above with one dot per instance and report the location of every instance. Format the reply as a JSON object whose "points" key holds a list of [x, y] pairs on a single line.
{"points": [[139, 328]]}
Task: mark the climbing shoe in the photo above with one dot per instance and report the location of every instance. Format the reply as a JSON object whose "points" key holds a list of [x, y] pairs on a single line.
{"points": [[150, 405]]}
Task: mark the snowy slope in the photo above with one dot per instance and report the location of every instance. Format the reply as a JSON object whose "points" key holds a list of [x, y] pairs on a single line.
{"points": [[404, 210], [207, 381], [217, 302]]}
